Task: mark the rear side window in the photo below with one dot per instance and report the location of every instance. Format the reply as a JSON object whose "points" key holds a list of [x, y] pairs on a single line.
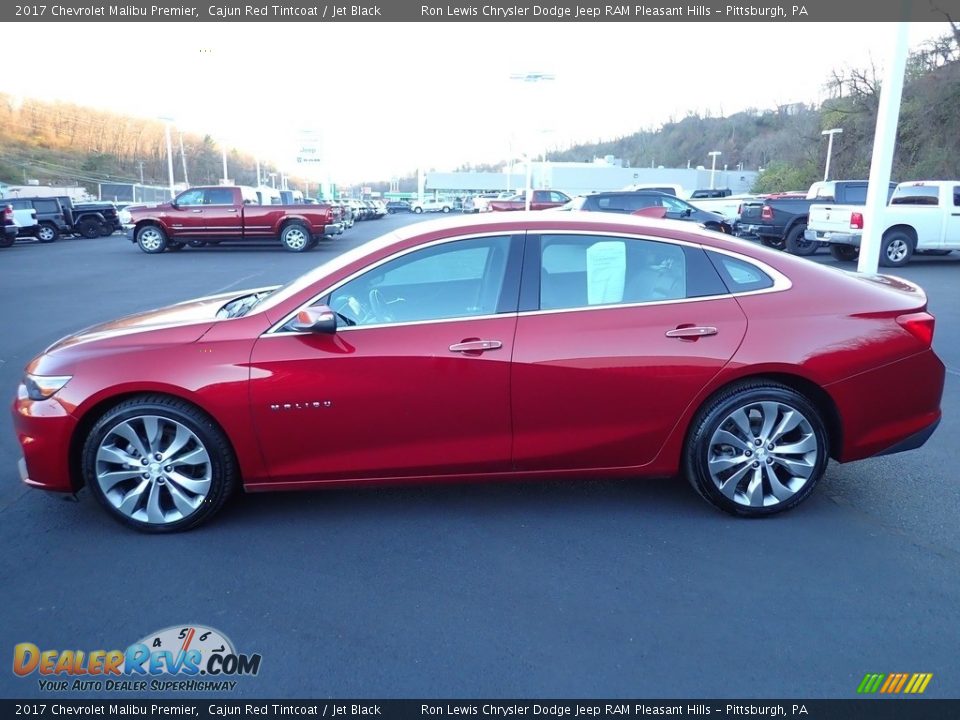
{"points": [[218, 196], [916, 195], [740, 275], [579, 271], [956, 195], [46, 206]]}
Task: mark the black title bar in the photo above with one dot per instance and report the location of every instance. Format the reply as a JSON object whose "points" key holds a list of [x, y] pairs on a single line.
{"points": [[432, 11], [875, 709]]}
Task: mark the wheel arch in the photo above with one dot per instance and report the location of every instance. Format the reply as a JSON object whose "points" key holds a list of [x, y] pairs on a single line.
{"points": [[909, 230], [98, 408], [820, 398]]}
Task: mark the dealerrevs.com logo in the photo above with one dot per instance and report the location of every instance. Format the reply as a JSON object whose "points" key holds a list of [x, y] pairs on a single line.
{"points": [[181, 658]]}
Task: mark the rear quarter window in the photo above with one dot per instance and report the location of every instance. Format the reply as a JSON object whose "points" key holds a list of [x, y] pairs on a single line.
{"points": [[740, 275]]}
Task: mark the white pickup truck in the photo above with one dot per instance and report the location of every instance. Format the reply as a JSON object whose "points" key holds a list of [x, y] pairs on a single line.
{"points": [[922, 217]]}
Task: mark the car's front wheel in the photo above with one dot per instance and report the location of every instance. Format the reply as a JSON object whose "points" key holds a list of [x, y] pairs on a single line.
{"points": [[151, 239], [158, 464], [756, 449]]}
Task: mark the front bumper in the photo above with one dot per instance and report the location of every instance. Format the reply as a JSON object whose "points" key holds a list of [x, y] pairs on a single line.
{"points": [[44, 429], [834, 238], [128, 233], [333, 229]]}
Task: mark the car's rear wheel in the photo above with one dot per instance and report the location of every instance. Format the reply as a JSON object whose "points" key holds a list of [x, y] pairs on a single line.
{"points": [[47, 232], [89, 228], [7, 240], [845, 252], [106, 230], [158, 464], [896, 249], [151, 239], [772, 242], [799, 245], [173, 246], [757, 449], [418, 210], [295, 237]]}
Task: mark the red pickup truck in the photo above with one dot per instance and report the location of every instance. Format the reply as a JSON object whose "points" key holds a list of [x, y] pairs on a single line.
{"points": [[204, 215], [540, 200]]}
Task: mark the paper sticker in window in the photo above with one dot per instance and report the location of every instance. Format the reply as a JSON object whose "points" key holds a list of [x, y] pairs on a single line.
{"points": [[606, 270]]}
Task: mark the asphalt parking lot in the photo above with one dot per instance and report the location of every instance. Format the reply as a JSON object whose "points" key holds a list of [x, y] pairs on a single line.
{"points": [[562, 589]]}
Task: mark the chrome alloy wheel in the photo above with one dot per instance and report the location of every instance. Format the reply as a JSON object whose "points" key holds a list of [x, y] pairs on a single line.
{"points": [[762, 454], [295, 238], [153, 469], [150, 239], [897, 250]]}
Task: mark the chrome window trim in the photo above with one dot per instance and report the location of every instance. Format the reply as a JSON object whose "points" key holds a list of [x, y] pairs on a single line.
{"points": [[275, 329], [780, 282]]}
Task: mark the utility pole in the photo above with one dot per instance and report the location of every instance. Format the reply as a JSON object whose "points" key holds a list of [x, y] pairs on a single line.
{"points": [[831, 133], [141, 171], [183, 156]]}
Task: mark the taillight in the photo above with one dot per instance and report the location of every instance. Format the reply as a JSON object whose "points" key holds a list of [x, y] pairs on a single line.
{"points": [[766, 213], [8, 213], [856, 221], [740, 209], [920, 325]]}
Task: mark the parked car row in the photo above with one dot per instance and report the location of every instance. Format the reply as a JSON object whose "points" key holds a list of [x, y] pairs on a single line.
{"points": [[921, 217], [48, 218]]}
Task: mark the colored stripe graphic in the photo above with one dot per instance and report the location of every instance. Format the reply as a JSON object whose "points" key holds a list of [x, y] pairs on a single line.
{"points": [[894, 683]]}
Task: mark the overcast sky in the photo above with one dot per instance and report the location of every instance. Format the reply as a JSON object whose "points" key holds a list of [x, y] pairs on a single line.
{"points": [[386, 98]]}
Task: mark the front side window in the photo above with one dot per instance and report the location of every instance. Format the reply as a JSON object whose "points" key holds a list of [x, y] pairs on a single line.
{"points": [[190, 197], [463, 278], [583, 271]]}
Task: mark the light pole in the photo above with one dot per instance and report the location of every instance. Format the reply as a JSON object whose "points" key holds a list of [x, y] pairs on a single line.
{"points": [[530, 77], [225, 177], [167, 122], [831, 133], [713, 165]]}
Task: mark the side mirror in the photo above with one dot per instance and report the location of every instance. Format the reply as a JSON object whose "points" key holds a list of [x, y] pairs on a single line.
{"points": [[174, 205], [688, 212], [319, 319]]}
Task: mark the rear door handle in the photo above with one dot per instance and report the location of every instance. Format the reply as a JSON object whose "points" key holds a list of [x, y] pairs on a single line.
{"points": [[691, 332], [476, 346], [196, 211]]}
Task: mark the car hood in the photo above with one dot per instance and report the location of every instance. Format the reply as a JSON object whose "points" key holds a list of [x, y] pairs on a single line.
{"points": [[183, 322]]}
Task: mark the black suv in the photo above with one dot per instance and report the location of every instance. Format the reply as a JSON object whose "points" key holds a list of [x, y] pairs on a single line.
{"points": [[58, 216], [628, 202]]}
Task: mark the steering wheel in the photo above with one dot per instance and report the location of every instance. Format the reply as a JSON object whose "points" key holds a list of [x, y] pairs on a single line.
{"points": [[352, 310]]}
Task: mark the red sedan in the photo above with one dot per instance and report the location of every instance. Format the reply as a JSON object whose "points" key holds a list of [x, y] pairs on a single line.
{"points": [[517, 345]]}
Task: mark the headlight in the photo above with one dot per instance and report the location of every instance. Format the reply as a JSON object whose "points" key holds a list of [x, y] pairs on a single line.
{"points": [[42, 387]]}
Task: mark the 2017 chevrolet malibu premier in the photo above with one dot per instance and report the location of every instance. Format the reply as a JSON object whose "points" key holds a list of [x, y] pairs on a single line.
{"points": [[512, 345]]}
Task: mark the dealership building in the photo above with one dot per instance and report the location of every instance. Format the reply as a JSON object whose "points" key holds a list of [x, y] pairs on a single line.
{"points": [[580, 178]]}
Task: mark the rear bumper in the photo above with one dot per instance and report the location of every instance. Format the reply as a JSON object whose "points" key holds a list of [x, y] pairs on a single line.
{"points": [[878, 418], [753, 229], [912, 442], [834, 238]]}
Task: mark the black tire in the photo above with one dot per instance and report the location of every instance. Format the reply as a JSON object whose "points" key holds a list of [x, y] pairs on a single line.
{"points": [[757, 463], [418, 210], [106, 231], [89, 228], [175, 246], [796, 244], [221, 467], [446, 209], [151, 239], [772, 242], [896, 249], [197, 243], [295, 237], [7, 240], [845, 253], [47, 232]]}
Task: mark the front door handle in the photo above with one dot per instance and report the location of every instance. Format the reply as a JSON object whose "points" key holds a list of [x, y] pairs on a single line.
{"points": [[476, 346], [196, 211], [691, 332]]}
